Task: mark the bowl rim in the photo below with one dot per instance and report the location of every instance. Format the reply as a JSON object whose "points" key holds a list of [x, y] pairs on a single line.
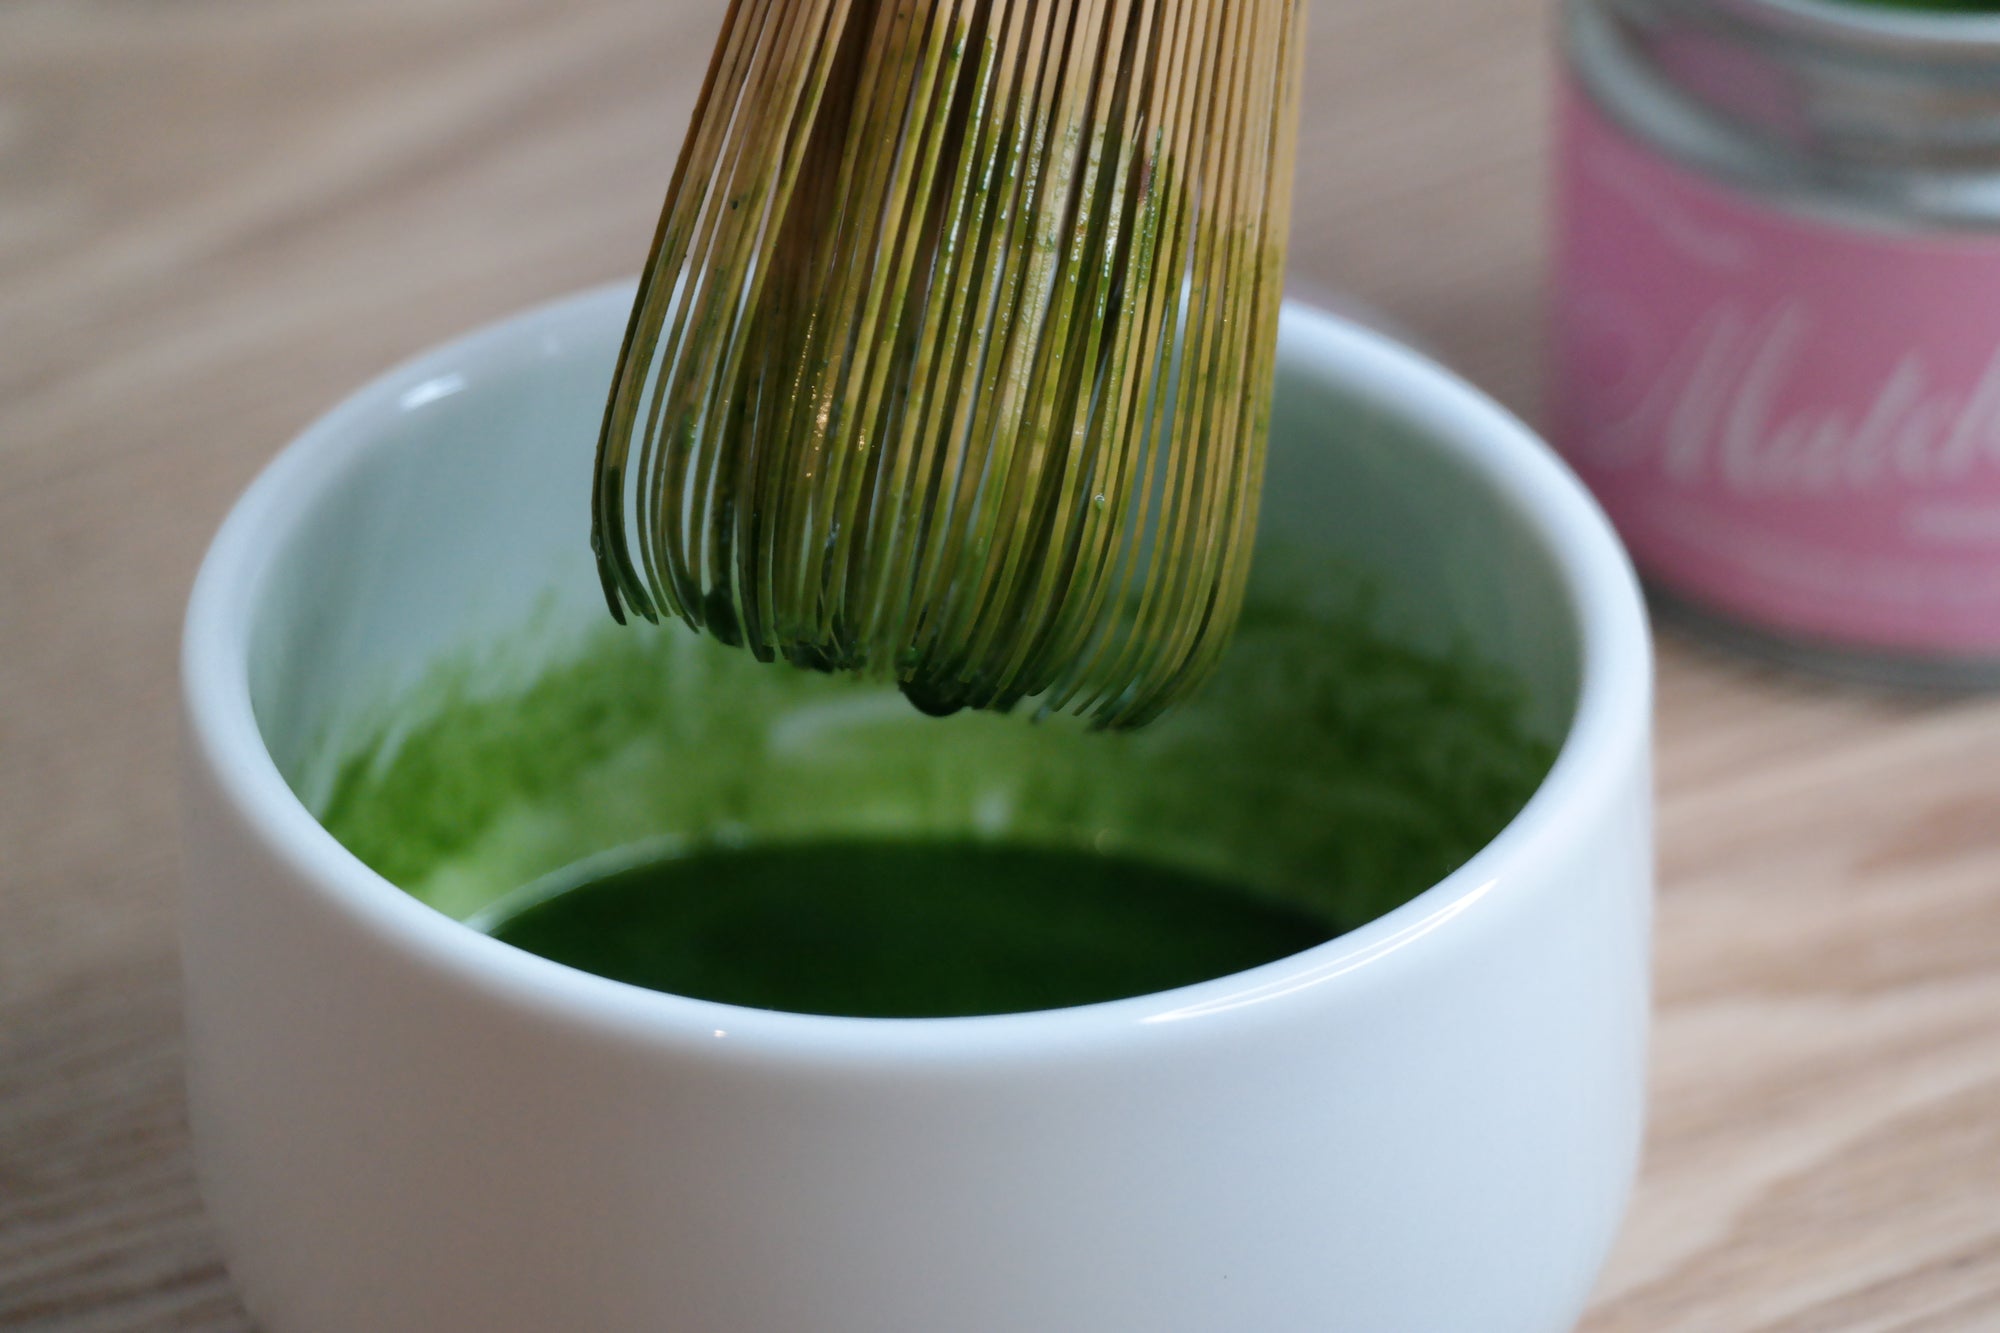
{"points": [[1609, 731]]}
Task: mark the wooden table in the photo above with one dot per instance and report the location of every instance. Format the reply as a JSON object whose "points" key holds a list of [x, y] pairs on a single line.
{"points": [[218, 216]]}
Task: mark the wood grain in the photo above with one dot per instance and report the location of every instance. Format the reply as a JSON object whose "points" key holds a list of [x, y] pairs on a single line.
{"points": [[217, 216]]}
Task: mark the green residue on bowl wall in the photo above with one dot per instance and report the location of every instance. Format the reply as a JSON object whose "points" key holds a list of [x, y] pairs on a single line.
{"points": [[1325, 764]]}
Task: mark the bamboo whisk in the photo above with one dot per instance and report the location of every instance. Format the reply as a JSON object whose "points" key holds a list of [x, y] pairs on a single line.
{"points": [[952, 358]]}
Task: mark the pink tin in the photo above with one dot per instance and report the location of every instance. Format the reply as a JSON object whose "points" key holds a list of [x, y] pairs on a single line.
{"points": [[1776, 336]]}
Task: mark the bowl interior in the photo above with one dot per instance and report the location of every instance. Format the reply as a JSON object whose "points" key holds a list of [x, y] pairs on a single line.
{"points": [[434, 673]]}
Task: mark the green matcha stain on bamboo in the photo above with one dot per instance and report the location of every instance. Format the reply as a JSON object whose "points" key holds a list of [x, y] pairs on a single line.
{"points": [[951, 361]]}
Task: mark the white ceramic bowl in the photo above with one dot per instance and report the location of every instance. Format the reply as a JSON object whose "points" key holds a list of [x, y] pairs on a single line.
{"points": [[1427, 1125]]}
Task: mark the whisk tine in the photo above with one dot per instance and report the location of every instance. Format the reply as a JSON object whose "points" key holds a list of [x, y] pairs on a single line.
{"points": [[1202, 392], [951, 356], [1160, 333]]}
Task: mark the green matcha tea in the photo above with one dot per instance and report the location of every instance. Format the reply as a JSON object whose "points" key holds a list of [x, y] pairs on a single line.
{"points": [[908, 929], [812, 842]]}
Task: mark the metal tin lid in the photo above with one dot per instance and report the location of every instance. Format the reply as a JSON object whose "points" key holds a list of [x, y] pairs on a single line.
{"points": [[1878, 113]]}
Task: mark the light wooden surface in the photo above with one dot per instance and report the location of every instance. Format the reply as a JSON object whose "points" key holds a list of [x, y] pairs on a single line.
{"points": [[217, 216]]}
